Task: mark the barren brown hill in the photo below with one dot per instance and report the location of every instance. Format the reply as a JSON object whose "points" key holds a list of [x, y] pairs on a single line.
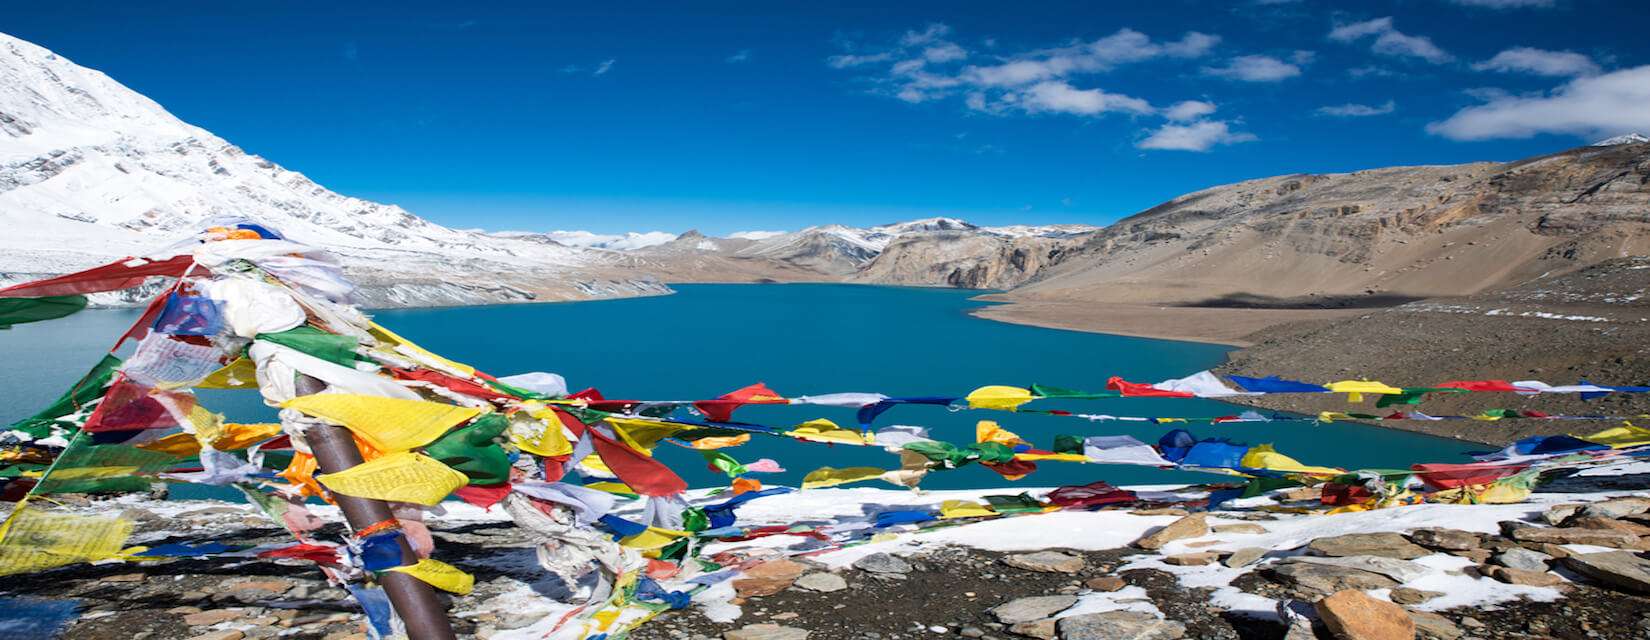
{"points": [[1353, 240]]}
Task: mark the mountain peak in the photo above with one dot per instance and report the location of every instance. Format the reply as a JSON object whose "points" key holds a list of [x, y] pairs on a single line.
{"points": [[1630, 138]]}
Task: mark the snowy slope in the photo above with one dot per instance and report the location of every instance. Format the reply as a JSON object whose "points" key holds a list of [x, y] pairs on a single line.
{"points": [[91, 170]]}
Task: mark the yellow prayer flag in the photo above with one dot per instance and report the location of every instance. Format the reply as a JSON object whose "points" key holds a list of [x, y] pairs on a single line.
{"points": [[644, 435], [616, 488], [1265, 457], [964, 509], [407, 347], [1055, 457], [388, 424], [440, 575], [999, 397], [1355, 389], [1626, 435], [989, 431], [654, 538], [822, 430], [34, 540], [544, 439], [721, 442], [399, 477], [240, 374], [831, 476]]}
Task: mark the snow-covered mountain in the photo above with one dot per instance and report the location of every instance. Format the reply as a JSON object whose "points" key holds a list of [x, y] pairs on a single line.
{"points": [[91, 170], [629, 241], [1630, 138]]}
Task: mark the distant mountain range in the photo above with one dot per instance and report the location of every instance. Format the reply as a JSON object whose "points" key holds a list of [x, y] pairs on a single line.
{"points": [[91, 170]]}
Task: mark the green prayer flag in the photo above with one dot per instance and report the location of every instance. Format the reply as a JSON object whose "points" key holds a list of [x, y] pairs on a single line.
{"points": [[1068, 444], [473, 451], [306, 339], [1072, 394], [23, 310], [89, 388]]}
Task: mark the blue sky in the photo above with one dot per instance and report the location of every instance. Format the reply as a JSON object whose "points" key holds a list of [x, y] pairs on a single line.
{"points": [[740, 116]]}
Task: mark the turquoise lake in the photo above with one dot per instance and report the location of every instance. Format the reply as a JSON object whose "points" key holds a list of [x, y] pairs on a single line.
{"points": [[799, 339]]}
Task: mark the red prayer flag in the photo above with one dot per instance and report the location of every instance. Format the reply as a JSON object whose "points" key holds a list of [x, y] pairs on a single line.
{"points": [[116, 275], [1483, 385], [1138, 390], [483, 496], [1454, 476], [721, 408], [453, 383]]}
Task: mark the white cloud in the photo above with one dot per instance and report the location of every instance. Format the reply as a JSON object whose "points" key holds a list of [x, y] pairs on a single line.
{"points": [[1390, 41], [1189, 110], [1255, 69], [1540, 62], [1064, 98], [603, 67], [744, 55], [1505, 4], [1593, 106], [755, 235], [924, 65], [1352, 110], [1197, 136]]}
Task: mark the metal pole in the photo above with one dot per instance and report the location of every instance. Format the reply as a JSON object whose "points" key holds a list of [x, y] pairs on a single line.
{"points": [[413, 600]]}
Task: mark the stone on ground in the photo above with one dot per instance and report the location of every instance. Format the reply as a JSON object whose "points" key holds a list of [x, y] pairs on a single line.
{"points": [[1191, 526], [766, 631], [1244, 557], [822, 582], [1105, 583], [1445, 539], [1619, 569], [1432, 625], [1565, 535], [882, 563], [1241, 527], [1389, 545], [1321, 579], [1523, 577], [1400, 570], [1521, 558], [1192, 559], [1043, 629], [1046, 562], [1406, 595], [768, 578], [1032, 608], [1114, 625], [1354, 615]]}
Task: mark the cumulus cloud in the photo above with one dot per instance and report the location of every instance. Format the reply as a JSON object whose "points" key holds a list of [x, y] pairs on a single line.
{"points": [[744, 55], [1255, 69], [926, 64], [1196, 136], [604, 67], [1189, 110], [1540, 62], [1591, 106], [1060, 97], [1353, 110], [1388, 40]]}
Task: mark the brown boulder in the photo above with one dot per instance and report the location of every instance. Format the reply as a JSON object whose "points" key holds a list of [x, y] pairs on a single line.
{"points": [[1191, 526], [1567, 535], [768, 578], [1353, 615]]}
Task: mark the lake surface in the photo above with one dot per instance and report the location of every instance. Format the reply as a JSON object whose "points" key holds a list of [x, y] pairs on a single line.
{"points": [[799, 339]]}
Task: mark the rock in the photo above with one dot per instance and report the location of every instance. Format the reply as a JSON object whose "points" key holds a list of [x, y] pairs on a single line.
{"points": [[208, 618], [1192, 559], [1354, 615], [1432, 625], [1619, 569], [1557, 551], [971, 632], [1244, 557], [1105, 583], [126, 577], [1564, 535], [882, 563], [1617, 507], [1445, 539], [1033, 608], [1388, 545], [1191, 526], [1046, 562], [1608, 524], [263, 586], [1525, 559], [768, 578], [765, 631], [1321, 579], [1112, 625], [1558, 513], [1161, 511], [1241, 527], [1400, 570], [230, 634], [1043, 629], [1523, 576], [1408, 596], [1302, 493], [1476, 555], [822, 582]]}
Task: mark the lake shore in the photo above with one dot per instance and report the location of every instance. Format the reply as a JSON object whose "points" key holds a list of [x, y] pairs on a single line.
{"points": [[1210, 325]]}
